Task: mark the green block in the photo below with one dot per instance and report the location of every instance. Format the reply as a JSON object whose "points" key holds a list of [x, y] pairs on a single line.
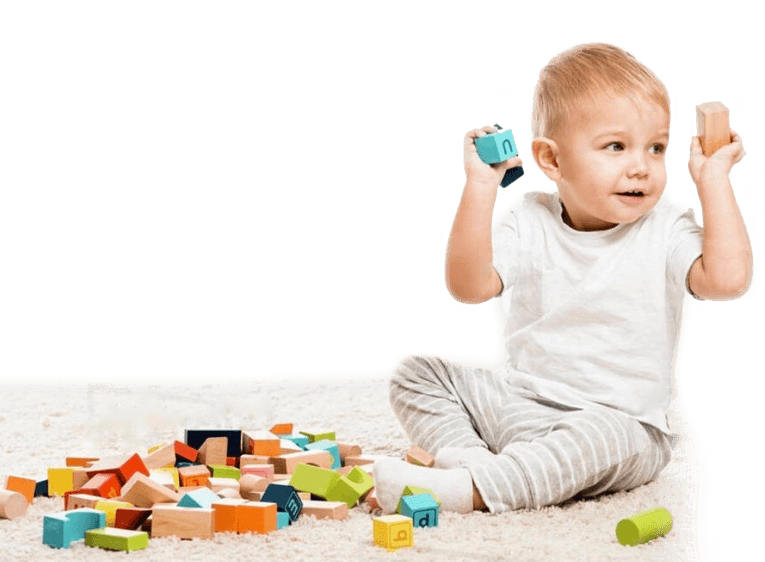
{"points": [[318, 436], [224, 471], [644, 526], [350, 488], [316, 480], [330, 447], [496, 147], [112, 538]]}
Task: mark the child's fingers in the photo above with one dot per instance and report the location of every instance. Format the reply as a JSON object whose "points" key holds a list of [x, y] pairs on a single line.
{"points": [[695, 146]]}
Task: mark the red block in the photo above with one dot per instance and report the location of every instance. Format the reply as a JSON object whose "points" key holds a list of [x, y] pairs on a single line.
{"points": [[185, 452], [124, 467], [131, 518]]}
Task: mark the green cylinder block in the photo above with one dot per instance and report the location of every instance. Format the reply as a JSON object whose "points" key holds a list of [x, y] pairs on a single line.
{"points": [[644, 526]]}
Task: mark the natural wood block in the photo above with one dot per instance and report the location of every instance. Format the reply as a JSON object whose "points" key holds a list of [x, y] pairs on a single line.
{"points": [[260, 443], [173, 472], [418, 456], [348, 450], [256, 517], [75, 500], [164, 478], [195, 475], [124, 466], [325, 510], [213, 451], [358, 460], [12, 504], [142, 491], [218, 484], [183, 522], [22, 485], [712, 126], [79, 477], [229, 493], [286, 464], [161, 457]]}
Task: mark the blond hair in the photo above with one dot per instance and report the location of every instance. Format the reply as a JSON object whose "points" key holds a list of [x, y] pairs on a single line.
{"points": [[583, 73]]}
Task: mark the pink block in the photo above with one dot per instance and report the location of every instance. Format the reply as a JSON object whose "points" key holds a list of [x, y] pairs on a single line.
{"points": [[264, 470]]}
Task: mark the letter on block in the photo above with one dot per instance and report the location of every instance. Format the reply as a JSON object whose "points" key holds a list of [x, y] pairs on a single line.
{"points": [[422, 508], [393, 531], [496, 147], [286, 499], [117, 539], [712, 126]]}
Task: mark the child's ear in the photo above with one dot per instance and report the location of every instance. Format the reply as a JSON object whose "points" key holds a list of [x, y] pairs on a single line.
{"points": [[546, 156]]}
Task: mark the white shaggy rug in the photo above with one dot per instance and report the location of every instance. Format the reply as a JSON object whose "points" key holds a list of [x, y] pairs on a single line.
{"points": [[41, 425]]}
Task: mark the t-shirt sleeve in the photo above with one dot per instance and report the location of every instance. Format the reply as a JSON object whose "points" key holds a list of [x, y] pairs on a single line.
{"points": [[685, 244], [506, 247]]}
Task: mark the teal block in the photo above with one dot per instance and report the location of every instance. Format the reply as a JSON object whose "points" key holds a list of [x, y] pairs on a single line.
{"points": [[286, 499], [299, 440], [496, 147], [422, 508], [201, 497], [61, 529], [282, 519], [330, 447]]}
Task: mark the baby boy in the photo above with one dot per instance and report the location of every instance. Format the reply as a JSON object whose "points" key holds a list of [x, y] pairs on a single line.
{"points": [[593, 277]]}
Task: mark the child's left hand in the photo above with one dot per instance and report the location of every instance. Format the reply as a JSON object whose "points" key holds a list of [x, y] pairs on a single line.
{"points": [[720, 162]]}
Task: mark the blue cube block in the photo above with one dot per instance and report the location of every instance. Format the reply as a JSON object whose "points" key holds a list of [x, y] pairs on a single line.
{"points": [[282, 519], [422, 508], [299, 440], [496, 147], [286, 499], [330, 447]]}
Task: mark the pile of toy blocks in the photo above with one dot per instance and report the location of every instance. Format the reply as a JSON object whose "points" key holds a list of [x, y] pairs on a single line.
{"points": [[216, 480]]}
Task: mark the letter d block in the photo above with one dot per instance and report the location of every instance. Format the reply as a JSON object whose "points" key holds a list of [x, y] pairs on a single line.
{"points": [[422, 508], [393, 531], [496, 147]]}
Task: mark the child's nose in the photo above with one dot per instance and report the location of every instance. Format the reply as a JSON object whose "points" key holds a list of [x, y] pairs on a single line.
{"points": [[638, 165]]}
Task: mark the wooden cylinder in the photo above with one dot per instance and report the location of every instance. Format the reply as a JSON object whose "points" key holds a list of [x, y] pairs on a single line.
{"points": [[12, 504]]}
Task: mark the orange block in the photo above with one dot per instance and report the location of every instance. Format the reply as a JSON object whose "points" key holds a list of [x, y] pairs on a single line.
{"points": [[282, 429], [185, 452], [24, 486], [227, 514], [256, 517], [104, 484], [195, 475], [123, 466]]}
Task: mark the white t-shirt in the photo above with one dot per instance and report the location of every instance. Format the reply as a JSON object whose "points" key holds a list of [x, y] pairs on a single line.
{"points": [[593, 316]]}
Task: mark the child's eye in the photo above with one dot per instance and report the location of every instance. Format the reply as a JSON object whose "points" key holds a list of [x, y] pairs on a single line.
{"points": [[617, 146], [659, 148]]}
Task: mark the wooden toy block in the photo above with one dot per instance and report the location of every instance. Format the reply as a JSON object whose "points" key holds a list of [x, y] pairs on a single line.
{"points": [[232, 461], [117, 539], [262, 470], [496, 147], [162, 456], [358, 460], [285, 464], [330, 447], [246, 460], [420, 457], [22, 485], [182, 522], [131, 518], [422, 508], [224, 471], [61, 529], [217, 484], [79, 477], [194, 475], [76, 500], [229, 493], [60, 480], [317, 435], [712, 126], [203, 497], [286, 499], [325, 509], [256, 517], [184, 452], [350, 488], [412, 490], [83, 462], [124, 466], [347, 450], [104, 484], [252, 483], [393, 531], [12, 504], [287, 446], [282, 519], [253, 496], [313, 479], [196, 437], [164, 478], [110, 507], [281, 429], [142, 491], [226, 514], [260, 443], [213, 451], [41, 489], [299, 440], [173, 472]]}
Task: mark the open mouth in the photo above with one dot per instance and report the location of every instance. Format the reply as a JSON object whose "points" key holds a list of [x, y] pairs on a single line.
{"points": [[633, 193]]}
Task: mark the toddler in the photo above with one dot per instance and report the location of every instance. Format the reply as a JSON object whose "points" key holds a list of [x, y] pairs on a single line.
{"points": [[593, 277]]}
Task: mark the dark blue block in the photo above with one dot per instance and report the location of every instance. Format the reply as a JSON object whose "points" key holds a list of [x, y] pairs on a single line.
{"points": [[511, 175], [196, 438], [286, 499], [41, 488]]}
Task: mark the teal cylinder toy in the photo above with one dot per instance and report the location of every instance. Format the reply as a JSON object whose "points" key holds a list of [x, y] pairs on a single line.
{"points": [[644, 526]]}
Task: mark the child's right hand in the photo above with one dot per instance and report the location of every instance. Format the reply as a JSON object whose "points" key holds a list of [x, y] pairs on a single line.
{"points": [[476, 170]]}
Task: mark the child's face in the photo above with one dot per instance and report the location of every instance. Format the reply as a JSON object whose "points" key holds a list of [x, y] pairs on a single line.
{"points": [[610, 149]]}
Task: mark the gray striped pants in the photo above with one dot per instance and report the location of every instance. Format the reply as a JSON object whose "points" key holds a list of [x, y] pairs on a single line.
{"points": [[545, 453]]}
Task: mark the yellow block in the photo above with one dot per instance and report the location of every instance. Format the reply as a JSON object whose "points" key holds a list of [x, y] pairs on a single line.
{"points": [[393, 531], [60, 480], [110, 508]]}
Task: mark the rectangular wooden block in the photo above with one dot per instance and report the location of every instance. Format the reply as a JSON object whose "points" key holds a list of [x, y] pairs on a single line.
{"points": [[131, 518], [195, 475], [286, 464], [418, 456], [142, 491], [24, 486], [182, 522], [161, 457], [73, 500], [226, 514], [325, 510], [124, 466], [260, 443], [712, 126], [104, 484], [256, 517], [213, 451], [116, 539]]}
